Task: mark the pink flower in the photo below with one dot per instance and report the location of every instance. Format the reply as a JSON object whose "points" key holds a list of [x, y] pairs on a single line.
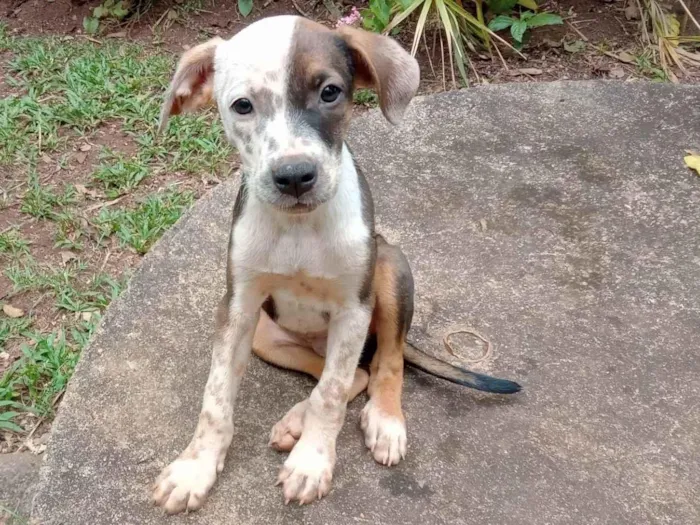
{"points": [[350, 18]]}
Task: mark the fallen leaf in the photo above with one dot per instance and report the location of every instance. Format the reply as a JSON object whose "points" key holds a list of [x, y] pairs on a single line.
{"points": [[82, 190], [616, 72], [86, 316], [552, 43], [12, 311], [85, 147], [631, 12], [693, 162], [525, 71], [67, 256], [80, 157], [575, 47], [626, 57]]}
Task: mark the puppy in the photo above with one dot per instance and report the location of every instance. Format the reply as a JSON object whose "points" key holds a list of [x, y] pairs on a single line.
{"points": [[310, 286]]}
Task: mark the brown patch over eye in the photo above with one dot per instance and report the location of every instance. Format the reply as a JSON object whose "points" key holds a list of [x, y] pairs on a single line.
{"points": [[321, 73]]}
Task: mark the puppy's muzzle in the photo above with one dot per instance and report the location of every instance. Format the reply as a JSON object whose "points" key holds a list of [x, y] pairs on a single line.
{"points": [[295, 176]]}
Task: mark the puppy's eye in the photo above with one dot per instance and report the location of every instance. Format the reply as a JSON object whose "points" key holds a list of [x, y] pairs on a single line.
{"points": [[330, 93], [242, 106]]}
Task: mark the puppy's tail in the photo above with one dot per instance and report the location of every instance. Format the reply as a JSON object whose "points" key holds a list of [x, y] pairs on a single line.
{"points": [[461, 376]]}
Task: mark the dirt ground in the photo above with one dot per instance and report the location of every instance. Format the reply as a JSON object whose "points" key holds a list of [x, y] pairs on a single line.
{"points": [[169, 25]]}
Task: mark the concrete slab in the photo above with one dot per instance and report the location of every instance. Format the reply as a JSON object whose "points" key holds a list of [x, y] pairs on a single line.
{"points": [[557, 220], [19, 473]]}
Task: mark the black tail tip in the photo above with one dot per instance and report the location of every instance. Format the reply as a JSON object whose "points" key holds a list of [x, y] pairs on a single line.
{"points": [[497, 386]]}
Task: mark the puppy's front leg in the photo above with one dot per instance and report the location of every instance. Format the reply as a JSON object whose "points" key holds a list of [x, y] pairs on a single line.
{"points": [[183, 486], [307, 473]]}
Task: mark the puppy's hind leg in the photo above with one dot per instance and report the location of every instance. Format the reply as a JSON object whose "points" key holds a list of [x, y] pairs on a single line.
{"points": [[278, 347], [382, 418]]}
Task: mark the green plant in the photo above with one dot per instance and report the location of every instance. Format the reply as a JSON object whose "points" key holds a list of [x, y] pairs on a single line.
{"points": [[245, 7], [463, 30], [141, 227], [366, 97], [662, 33], [12, 244], [109, 9], [519, 26], [378, 14]]}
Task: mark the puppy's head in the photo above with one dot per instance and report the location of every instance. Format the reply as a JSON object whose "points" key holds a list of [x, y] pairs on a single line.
{"points": [[284, 89]]}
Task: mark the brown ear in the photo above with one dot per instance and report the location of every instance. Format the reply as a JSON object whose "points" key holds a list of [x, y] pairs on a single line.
{"points": [[381, 63], [192, 86]]}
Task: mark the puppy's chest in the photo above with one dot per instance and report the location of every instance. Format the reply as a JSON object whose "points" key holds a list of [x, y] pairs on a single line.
{"points": [[303, 313]]}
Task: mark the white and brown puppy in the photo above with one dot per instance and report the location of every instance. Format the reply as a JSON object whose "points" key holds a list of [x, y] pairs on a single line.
{"points": [[310, 286]]}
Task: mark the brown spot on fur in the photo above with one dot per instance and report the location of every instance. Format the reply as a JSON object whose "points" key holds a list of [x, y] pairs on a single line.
{"points": [[320, 57], [193, 83], [391, 319], [381, 63]]}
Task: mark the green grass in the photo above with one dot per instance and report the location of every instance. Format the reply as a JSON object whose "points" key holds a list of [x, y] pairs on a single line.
{"points": [[12, 245], [35, 380], [62, 91], [43, 202], [64, 284], [366, 97], [139, 228], [78, 86]]}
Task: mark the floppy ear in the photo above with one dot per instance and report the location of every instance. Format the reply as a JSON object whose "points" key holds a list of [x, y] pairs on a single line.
{"points": [[381, 63], [192, 86]]}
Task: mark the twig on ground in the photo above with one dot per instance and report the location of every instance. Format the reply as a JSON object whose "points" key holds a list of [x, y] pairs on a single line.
{"points": [[300, 10], [104, 263], [505, 66], [690, 15], [104, 204], [427, 53], [599, 49]]}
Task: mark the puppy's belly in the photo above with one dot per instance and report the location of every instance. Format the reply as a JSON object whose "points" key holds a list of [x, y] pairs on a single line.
{"points": [[305, 317]]}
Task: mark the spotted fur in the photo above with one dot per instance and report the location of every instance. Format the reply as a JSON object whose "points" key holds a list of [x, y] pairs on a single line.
{"points": [[307, 278]]}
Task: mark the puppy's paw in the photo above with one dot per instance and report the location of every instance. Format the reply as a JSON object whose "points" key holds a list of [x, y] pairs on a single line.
{"points": [[307, 473], [287, 431], [183, 485], [385, 435]]}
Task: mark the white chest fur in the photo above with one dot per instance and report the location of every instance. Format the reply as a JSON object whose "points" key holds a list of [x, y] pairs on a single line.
{"points": [[311, 264]]}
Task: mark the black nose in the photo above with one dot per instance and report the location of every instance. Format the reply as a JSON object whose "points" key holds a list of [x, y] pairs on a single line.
{"points": [[295, 179]]}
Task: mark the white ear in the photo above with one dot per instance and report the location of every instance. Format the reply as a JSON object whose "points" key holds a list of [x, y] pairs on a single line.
{"points": [[192, 86]]}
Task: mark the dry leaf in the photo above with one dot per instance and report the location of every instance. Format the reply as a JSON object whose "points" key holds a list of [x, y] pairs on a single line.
{"points": [[67, 256], [84, 191], [631, 12], [85, 147], [80, 157], [577, 46], [525, 71], [86, 316], [626, 57], [11, 311], [616, 72], [693, 162]]}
